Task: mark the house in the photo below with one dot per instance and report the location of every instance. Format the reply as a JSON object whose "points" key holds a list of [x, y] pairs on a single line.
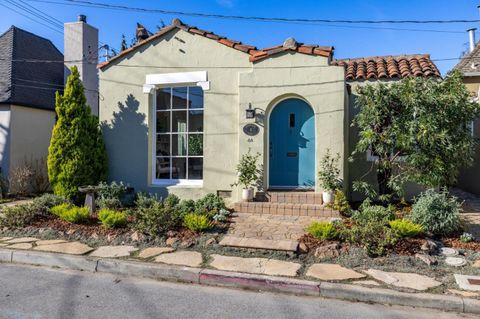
{"points": [[183, 105], [469, 65], [31, 71]]}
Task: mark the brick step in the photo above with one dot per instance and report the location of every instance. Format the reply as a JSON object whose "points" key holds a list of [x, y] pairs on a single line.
{"points": [[290, 197], [287, 209]]}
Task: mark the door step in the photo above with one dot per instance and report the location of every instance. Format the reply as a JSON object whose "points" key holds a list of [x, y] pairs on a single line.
{"points": [[285, 209], [257, 243]]}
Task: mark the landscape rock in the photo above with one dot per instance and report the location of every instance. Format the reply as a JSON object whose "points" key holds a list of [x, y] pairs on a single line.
{"points": [[404, 280], [154, 251], [113, 251], [476, 264], [448, 252], [462, 293], [210, 241], [302, 248], [187, 243], [262, 266], [332, 272], [72, 248], [171, 241], [427, 259], [94, 236], [328, 251], [183, 258], [71, 231], [136, 236], [429, 247]]}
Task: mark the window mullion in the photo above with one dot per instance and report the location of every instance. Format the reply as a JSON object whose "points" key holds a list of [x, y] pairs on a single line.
{"points": [[187, 132]]}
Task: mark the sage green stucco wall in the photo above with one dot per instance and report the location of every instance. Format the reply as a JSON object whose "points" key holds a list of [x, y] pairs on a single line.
{"points": [[234, 82]]}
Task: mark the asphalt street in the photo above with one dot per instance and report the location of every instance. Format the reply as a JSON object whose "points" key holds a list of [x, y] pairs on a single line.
{"points": [[28, 292]]}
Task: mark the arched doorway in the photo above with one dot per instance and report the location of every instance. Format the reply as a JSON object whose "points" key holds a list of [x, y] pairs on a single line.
{"points": [[291, 145]]}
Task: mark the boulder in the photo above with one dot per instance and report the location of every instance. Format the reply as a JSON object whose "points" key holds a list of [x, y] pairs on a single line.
{"points": [[427, 259], [328, 251], [429, 247]]}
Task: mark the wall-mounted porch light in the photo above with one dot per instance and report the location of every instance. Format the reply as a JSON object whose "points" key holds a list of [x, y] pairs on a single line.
{"points": [[250, 113]]}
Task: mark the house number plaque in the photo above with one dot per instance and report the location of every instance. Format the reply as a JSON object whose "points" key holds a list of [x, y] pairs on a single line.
{"points": [[251, 129]]}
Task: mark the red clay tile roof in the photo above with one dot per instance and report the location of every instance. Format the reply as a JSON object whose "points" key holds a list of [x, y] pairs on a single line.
{"points": [[388, 67], [255, 54]]}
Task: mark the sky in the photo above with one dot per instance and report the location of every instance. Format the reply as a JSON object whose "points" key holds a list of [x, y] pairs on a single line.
{"points": [[350, 41]]}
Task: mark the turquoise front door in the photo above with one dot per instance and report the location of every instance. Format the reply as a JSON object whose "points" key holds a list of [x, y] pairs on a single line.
{"points": [[292, 145]]}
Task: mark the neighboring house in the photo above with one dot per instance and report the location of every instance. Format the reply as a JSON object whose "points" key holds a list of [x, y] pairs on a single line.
{"points": [[469, 65], [181, 107], [31, 71]]}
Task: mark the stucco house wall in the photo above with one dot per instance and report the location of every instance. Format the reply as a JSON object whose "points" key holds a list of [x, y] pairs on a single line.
{"points": [[30, 134], [126, 114]]}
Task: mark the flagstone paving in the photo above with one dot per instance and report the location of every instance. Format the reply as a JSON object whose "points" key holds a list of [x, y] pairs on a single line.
{"points": [[22, 240], [183, 258], [5, 238], [72, 248], [262, 266], [233, 241], [21, 246], [49, 242], [273, 227], [154, 251], [332, 272], [113, 251], [404, 280]]}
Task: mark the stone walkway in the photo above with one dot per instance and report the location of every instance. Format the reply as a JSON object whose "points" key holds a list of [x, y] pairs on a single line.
{"points": [[272, 227], [263, 266]]}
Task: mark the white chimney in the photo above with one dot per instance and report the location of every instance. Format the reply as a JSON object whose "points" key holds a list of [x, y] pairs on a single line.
{"points": [[81, 49], [471, 35]]}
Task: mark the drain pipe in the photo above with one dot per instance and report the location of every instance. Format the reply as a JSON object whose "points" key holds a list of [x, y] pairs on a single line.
{"points": [[471, 35]]}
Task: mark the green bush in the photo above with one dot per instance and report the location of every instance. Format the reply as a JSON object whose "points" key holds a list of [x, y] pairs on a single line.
{"points": [[209, 203], [437, 212], [17, 216], [111, 218], [71, 213], [77, 154], [221, 216], [156, 219], [186, 206], [322, 230], [110, 196], [341, 204], [405, 228], [196, 223], [373, 213], [145, 200], [466, 238], [373, 236], [171, 200], [43, 203]]}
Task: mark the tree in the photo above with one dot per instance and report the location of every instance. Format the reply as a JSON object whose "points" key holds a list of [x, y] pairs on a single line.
{"points": [[418, 129], [77, 154], [123, 45]]}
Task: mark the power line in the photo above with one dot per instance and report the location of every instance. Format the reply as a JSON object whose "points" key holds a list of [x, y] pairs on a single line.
{"points": [[30, 18], [36, 13], [238, 17]]}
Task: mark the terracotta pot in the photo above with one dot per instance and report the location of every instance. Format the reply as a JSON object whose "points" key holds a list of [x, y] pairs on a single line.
{"points": [[247, 194], [328, 197]]}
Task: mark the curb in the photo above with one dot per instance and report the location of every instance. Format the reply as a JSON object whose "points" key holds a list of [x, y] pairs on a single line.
{"points": [[209, 277]]}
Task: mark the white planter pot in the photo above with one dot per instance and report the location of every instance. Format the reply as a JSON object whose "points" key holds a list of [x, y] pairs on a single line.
{"points": [[247, 194], [328, 197]]}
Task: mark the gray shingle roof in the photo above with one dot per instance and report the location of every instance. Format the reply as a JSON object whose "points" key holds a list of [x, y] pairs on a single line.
{"points": [[470, 63], [24, 80]]}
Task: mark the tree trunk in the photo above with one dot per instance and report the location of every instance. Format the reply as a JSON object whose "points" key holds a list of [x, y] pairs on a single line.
{"points": [[383, 176]]}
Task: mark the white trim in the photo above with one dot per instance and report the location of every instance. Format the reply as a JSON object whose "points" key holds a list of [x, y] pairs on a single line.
{"points": [[185, 183], [148, 88], [176, 78]]}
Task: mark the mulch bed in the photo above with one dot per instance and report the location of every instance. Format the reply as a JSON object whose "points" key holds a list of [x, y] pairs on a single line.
{"points": [[312, 243], [458, 244], [408, 246], [92, 226]]}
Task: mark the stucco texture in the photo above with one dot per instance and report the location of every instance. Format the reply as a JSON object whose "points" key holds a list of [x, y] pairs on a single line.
{"points": [[126, 115]]}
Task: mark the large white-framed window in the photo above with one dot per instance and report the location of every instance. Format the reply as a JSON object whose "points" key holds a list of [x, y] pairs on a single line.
{"points": [[178, 135]]}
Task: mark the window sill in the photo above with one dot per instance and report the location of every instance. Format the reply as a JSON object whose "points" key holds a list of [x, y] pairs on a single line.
{"points": [[178, 183]]}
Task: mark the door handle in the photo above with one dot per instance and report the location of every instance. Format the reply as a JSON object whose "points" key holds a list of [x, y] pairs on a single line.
{"points": [[270, 150]]}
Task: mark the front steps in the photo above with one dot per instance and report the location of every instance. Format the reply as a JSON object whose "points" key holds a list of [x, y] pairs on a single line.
{"points": [[287, 204]]}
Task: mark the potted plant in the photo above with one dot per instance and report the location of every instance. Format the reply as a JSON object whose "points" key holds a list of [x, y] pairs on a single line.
{"points": [[329, 176], [248, 174]]}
